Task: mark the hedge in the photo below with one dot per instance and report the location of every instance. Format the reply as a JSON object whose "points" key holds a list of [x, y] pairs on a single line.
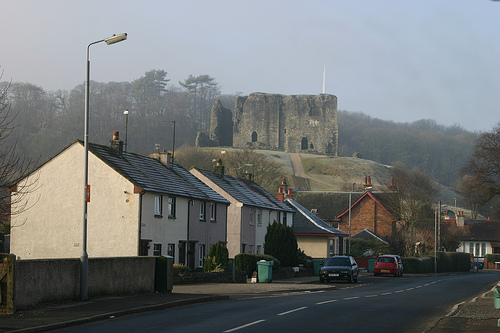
{"points": [[446, 262], [248, 262]]}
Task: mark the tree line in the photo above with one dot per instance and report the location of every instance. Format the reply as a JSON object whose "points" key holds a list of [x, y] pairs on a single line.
{"points": [[47, 121]]}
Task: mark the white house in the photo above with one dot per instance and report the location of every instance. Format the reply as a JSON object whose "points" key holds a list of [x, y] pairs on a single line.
{"points": [[138, 206], [251, 210]]}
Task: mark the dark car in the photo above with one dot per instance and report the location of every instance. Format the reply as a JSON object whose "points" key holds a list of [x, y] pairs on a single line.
{"points": [[339, 268], [388, 264]]}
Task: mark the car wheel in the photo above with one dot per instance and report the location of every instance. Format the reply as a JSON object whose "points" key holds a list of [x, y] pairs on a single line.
{"points": [[356, 278], [351, 278]]}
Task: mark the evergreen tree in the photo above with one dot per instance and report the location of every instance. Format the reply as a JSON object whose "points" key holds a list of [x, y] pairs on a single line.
{"points": [[281, 243]]}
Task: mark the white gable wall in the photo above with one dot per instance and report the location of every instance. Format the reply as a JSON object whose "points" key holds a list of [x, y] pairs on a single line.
{"points": [[52, 226]]}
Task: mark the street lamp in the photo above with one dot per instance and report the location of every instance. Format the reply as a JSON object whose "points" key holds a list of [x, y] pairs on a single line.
{"points": [[173, 145], [350, 203], [126, 128], [84, 263]]}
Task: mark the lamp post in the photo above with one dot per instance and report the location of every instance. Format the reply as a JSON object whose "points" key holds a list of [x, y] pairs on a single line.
{"points": [[126, 128], [173, 145], [84, 263], [350, 203]]}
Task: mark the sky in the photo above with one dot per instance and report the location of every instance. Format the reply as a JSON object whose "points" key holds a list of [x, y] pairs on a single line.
{"points": [[397, 60]]}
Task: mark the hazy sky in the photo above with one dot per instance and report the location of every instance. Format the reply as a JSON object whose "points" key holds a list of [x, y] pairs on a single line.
{"points": [[395, 60]]}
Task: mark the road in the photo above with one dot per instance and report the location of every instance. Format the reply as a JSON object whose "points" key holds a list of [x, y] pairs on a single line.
{"points": [[382, 304]]}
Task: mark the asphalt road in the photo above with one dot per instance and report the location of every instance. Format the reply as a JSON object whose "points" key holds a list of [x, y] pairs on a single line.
{"points": [[382, 304]]}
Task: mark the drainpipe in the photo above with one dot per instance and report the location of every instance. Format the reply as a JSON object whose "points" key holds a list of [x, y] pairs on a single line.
{"points": [[140, 222]]}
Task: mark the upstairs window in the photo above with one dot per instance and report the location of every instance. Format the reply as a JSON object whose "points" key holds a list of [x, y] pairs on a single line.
{"points": [[213, 211], [202, 210], [259, 217], [158, 205], [251, 217], [171, 206]]}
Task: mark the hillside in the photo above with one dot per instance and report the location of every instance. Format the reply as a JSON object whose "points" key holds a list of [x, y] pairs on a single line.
{"points": [[309, 172]]}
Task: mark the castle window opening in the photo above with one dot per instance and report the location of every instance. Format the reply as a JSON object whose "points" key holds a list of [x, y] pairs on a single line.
{"points": [[304, 144], [254, 136]]}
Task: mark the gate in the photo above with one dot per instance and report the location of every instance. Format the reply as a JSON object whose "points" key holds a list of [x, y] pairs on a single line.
{"points": [[7, 284]]}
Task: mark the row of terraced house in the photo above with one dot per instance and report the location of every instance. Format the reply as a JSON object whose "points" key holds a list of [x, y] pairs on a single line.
{"points": [[146, 206]]}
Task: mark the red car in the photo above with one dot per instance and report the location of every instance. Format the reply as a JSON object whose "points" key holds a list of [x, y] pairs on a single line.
{"points": [[388, 264]]}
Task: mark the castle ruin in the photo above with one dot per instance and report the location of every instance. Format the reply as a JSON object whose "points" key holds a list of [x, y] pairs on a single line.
{"points": [[290, 123]]}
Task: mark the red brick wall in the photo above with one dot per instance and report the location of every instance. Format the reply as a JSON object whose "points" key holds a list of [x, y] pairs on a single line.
{"points": [[368, 214]]}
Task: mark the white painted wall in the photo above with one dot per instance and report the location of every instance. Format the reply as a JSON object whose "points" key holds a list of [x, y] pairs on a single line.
{"points": [[52, 224]]}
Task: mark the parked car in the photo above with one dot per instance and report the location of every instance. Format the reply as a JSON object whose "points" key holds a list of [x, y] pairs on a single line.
{"points": [[388, 264], [339, 268], [476, 266]]}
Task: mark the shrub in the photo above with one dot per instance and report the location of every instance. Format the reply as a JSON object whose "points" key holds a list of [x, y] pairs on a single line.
{"points": [[248, 262], [281, 243], [217, 259]]}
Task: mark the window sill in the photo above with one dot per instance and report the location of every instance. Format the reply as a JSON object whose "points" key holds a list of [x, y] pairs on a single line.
{"points": [[158, 216], [213, 220], [172, 217]]}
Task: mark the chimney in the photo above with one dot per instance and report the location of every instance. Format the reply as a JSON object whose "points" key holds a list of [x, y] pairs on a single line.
{"points": [[116, 144], [368, 183], [392, 187], [249, 178], [281, 195], [289, 194], [460, 219], [219, 168], [165, 157]]}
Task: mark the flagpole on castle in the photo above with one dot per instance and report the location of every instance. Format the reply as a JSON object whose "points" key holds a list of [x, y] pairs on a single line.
{"points": [[324, 79]]}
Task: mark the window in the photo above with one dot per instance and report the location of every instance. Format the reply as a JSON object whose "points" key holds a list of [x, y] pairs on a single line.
{"points": [[252, 222], [259, 248], [476, 254], [278, 217], [201, 256], [158, 205], [171, 206], [471, 248], [254, 136], [213, 211], [157, 249], [259, 217], [202, 210], [284, 218], [171, 250], [483, 249]]}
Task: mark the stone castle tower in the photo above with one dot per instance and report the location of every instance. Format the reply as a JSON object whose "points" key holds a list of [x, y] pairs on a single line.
{"points": [[294, 123]]}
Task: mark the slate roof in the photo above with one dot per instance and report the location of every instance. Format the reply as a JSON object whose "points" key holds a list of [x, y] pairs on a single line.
{"points": [[367, 234], [151, 175], [305, 222], [248, 194], [482, 230], [328, 204]]}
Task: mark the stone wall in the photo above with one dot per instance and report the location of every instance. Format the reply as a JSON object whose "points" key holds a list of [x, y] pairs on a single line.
{"points": [[41, 281], [294, 123]]}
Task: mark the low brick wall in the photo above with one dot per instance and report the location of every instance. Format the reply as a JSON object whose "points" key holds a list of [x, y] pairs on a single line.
{"points": [[211, 277], [57, 280]]}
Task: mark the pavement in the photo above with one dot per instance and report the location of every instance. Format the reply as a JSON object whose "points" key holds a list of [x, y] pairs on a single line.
{"points": [[475, 315]]}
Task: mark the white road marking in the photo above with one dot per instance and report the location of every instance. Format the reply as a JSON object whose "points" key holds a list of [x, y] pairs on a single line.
{"points": [[298, 309], [455, 308], [243, 326], [330, 301]]}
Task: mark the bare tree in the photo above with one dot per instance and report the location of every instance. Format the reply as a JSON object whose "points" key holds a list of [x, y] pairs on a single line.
{"points": [[484, 168], [13, 165], [410, 200]]}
